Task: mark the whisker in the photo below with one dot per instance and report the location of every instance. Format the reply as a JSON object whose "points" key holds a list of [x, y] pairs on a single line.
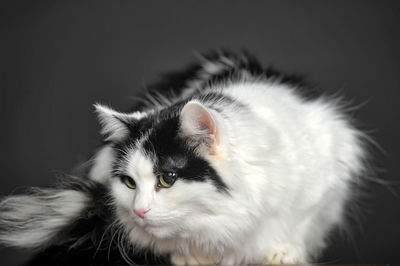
{"points": [[111, 241], [108, 228]]}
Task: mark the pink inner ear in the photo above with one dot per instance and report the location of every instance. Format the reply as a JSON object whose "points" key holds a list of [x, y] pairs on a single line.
{"points": [[205, 122], [197, 121]]}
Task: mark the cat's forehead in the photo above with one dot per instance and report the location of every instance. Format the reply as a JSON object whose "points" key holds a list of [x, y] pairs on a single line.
{"points": [[139, 164], [165, 146], [158, 139], [165, 120]]}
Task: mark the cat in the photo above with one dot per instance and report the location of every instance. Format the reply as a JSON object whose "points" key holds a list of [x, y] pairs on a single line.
{"points": [[236, 166]]}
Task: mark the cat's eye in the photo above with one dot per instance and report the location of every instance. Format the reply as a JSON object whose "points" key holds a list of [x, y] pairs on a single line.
{"points": [[129, 182], [167, 179]]}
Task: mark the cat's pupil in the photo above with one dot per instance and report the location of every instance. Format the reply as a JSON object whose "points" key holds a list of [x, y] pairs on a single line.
{"points": [[169, 177]]}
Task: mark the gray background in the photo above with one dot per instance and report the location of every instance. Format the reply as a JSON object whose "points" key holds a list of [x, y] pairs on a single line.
{"points": [[57, 58]]}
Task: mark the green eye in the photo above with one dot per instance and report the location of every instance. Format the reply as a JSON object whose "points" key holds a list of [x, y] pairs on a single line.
{"points": [[167, 179], [129, 182]]}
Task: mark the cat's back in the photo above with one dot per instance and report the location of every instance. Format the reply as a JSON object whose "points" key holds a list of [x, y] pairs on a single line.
{"points": [[315, 133], [280, 103]]}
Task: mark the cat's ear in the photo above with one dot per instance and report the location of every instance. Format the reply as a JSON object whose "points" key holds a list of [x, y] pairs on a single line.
{"points": [[115, 125], [199, 126]]}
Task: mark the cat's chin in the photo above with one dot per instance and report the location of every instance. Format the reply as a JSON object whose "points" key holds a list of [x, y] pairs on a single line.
{"points": [[158, 231]]}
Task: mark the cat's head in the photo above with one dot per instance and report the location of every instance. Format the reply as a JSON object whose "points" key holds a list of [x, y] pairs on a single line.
{"points": [[165, 177]]}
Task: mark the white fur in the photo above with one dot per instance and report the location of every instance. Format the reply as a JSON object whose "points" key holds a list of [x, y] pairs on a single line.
{"points": [[101, 172], [288, 164], [33, 221]]}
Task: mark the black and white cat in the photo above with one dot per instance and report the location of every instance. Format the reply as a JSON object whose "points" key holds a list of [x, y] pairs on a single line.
{"points": [[238, 168]]}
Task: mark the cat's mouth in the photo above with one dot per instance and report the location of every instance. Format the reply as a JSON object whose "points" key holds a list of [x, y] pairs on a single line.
{"points": [[148, 226], [159, 231]]}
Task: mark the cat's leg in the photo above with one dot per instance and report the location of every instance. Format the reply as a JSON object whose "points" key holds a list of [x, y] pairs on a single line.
{"points": [[274, 244], [190, 259], [307, 238], [284, 254]]}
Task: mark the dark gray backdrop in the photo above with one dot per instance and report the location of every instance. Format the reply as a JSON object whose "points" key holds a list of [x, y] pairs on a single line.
{"points": [[57, 58]]}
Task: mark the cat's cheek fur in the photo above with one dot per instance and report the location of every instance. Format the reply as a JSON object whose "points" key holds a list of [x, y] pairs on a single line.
{"points": [[122, 195]]}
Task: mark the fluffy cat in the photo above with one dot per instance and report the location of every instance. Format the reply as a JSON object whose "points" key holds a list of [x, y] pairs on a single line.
{"points": [[236, 168]]}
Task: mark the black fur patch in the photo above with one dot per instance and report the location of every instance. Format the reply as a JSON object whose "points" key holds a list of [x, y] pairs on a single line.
{"points": [[170, 153], [167, 149]]}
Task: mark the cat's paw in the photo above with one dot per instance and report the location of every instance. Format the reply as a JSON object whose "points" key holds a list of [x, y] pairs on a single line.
{"points": [[179, 259], [284, 254]]}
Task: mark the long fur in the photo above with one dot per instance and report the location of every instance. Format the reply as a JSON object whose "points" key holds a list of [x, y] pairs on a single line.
{"points": [[42, 217], [287, 162], [264, 173], [71, 223], [34, 220]]}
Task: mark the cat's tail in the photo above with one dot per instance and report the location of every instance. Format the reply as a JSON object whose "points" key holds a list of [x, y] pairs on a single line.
{"points": [[224, 66], [45, 216]]}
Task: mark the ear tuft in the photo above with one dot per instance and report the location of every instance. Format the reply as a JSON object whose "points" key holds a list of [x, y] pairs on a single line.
{"points": [[199, 126], [113, 123]]}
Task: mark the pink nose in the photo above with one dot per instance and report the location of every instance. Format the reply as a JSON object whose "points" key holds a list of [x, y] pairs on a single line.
{"points": [[141, 212]]}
